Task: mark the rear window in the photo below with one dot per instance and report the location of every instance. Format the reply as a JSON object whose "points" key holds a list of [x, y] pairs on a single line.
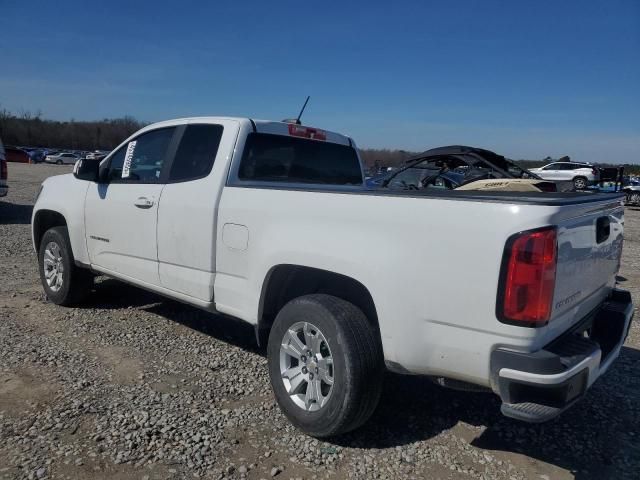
{"points": [[277, 158]]}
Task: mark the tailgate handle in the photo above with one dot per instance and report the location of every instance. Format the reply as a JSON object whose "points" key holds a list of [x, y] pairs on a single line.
{"points": [[603, 229]]}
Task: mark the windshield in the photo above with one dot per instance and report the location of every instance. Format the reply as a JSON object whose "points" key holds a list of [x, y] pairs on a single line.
{"points": [[414, 176]]}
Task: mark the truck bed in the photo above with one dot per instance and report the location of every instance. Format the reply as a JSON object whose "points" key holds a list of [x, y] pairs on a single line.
{"points": [[542, 198], [447, 251], [533, 198]]}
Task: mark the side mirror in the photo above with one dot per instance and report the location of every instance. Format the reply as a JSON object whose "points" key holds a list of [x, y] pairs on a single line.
{"points": [[87, 169]]}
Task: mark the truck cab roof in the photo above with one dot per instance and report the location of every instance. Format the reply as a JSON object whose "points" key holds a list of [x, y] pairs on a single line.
{"points": [[264, 126]]}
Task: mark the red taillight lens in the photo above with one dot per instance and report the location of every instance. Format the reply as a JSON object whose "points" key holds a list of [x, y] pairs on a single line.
{"points": [[3, 170], [528, 278]]}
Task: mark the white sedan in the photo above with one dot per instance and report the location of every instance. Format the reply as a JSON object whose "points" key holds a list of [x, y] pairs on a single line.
{"points": [[581, 174], [62, 158]]}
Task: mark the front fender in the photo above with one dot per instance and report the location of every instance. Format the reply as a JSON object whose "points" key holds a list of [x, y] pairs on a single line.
{"points": [[64, 195]]}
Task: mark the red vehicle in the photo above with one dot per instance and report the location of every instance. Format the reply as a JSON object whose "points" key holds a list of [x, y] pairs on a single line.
{"points": [[13, 154]]}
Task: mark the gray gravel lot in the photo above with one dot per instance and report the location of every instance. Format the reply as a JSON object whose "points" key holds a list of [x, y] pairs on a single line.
{"points": [[135, 386]]}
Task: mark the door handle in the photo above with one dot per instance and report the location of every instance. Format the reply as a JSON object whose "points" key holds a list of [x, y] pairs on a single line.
{"points": [[143, 202]]}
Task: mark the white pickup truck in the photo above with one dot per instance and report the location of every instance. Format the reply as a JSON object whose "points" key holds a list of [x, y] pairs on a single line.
{"points": [[271, 223]]}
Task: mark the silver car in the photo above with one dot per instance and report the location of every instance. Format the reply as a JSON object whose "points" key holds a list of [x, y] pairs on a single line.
{"points": [[62, 159], [581, 174], [632, 193]]}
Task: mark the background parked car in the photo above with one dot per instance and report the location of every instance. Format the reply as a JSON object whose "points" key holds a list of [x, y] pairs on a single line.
{"points": [[631, 191], [97, 154], [581, 174], [37, 156], [62, 158], [15, 154], [4, 188]]}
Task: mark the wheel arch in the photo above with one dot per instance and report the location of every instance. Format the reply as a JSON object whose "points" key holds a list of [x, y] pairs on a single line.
{"points": [[285, 282], [43, 220]]}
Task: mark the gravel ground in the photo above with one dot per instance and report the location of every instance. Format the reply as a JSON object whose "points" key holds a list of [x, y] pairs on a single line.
{"points": [[135, 386]]}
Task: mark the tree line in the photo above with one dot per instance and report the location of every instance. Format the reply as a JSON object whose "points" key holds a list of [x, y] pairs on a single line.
{"points": [[31, 130]]}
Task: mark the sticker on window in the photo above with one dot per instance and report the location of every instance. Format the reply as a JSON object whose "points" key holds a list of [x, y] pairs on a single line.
{"points": [[126, 166]]}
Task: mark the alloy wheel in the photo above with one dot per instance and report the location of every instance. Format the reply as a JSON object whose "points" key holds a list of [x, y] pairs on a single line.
{"points": [[306, 366], [53, 266]]}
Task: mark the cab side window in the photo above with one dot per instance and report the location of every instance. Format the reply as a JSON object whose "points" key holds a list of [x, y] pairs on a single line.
{"points": [[141, 160], [196, 153]]}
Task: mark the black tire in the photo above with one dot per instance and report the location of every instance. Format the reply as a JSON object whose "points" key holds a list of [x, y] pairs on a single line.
{"points": [[580, 183], [358, 366], [76, 282], [59, 162]]}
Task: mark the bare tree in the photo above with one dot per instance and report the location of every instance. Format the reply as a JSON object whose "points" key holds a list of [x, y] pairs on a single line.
{"points": [[30, 129]]}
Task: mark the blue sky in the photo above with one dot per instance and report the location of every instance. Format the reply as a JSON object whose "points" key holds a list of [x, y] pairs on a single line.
{"points": [[525, 78]]}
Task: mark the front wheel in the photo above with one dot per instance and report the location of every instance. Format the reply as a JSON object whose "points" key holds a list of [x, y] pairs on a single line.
{"points": [[325, 364], [64, 283]]}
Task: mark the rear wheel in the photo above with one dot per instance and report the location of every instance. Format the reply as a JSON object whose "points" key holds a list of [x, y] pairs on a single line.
{"points": [[580, 183], [325, 364], [64, 283]]}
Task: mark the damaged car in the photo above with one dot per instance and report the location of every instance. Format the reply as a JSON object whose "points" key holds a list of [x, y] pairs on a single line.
{"points": [[457, 167]]}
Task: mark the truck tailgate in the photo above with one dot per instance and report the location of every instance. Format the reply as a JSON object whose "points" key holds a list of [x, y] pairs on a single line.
{"points": [[589, 250]]}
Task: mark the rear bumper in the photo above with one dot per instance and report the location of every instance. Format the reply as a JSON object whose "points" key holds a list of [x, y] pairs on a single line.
{"points": [[538, 386]]}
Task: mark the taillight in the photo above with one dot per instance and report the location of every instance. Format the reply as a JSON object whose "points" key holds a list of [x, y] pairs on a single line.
{"points": [[306, 132], [3, 170], [527, 278]]}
